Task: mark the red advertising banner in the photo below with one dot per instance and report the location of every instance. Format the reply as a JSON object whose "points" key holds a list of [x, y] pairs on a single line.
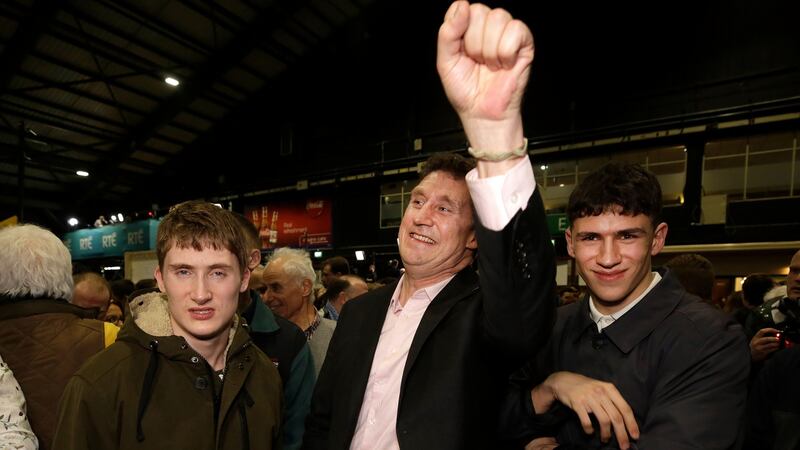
{"points": [[295, 224]]}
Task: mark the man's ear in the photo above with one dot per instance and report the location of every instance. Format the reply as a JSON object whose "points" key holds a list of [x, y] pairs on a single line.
{"points": [[659, 238], [159, 279], [568, 237], [306, 285], [245, 279], [472, 241]]}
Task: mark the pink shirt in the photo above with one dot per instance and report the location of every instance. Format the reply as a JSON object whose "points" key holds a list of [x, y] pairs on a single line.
{"points": [[377, 421]]}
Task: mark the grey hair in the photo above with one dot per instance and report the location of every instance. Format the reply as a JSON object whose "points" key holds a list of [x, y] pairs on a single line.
{"points": [[34, 262], [297, 264]]}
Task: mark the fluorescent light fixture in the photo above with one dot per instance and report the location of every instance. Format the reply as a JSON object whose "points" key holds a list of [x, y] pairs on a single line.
{"points": [[112, 268], [317, 254], [171, 81], [72, 221], [82, 173], [120, 217], [359, 255]]}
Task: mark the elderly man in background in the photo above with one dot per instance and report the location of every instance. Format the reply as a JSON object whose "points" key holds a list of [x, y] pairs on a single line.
{"points": [[289, 279], [91, 291], [43, 338]]}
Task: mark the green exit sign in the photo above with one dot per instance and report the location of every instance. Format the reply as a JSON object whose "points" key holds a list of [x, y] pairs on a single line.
{"points": [[557, 223]]}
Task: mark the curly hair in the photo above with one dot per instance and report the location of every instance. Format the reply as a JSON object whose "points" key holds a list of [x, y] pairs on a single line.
{"points": [[35, 263], [626, 188]]}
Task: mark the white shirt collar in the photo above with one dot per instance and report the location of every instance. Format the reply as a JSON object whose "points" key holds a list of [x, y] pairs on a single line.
{"points": [[603, 321]]}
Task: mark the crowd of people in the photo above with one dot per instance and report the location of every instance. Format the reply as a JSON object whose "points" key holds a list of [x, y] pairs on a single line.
{"points": [[471, 346]]}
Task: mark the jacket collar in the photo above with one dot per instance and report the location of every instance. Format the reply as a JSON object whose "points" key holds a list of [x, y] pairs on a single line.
{"points": [[259, 317], [15, 307], [630, 329], [150, 321]]}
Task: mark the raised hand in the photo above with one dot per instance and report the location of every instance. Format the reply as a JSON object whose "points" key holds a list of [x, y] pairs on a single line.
{"points": [[484, 59]]}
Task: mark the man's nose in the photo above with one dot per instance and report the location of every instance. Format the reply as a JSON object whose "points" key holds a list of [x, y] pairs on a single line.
{"points": [[423, 216], [200, 291], [609, 253]]}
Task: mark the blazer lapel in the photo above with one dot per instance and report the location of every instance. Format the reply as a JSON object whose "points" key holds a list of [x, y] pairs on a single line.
{"points": [[462, 285], [371, 318]]}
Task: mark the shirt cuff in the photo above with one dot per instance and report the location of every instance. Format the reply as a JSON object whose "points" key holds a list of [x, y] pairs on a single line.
{"points": [[497, 199]]}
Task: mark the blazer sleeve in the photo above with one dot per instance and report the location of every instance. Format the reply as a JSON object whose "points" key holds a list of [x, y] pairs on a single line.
{"points": [[517, 276]]}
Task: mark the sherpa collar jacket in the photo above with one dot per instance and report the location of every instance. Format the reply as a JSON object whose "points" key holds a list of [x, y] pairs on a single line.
{"points": [[150, 390]]}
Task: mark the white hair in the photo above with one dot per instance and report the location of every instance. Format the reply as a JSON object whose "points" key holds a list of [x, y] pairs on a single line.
{"points": [[296, 264], [34, 263]]}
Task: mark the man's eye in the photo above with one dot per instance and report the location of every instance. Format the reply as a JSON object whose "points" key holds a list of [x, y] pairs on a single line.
{"points": [[182, 272], [445, 209], [218, 274]]}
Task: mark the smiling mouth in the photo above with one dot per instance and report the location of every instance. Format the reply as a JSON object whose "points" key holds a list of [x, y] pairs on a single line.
{"points": [[421, 238], [610, 276]]}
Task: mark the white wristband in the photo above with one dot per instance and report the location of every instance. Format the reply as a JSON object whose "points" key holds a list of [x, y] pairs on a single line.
{"points": [[494, 157]]}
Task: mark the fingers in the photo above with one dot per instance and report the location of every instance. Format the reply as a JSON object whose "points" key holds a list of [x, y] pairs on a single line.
{"points": [[516, 42], [495, 39], [493, 32], [625, 410], [473, 38], [764, 331], [451, 33]]}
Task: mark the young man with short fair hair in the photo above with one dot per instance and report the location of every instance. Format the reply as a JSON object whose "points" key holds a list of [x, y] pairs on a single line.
{"points": [[183, 372]]}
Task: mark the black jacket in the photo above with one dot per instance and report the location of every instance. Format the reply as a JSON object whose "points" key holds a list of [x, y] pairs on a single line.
{"points": [[468, 342], [680, 364]]}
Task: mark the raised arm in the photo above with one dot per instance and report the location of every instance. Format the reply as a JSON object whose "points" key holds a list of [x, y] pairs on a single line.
{"points": [[484, 59]]}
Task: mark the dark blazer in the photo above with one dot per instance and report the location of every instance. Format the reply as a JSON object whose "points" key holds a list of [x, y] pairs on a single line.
{"points": [[468, 342]]}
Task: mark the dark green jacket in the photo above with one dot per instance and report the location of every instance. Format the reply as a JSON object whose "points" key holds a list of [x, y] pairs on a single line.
{"points": [[286, 345], [150, 390]]}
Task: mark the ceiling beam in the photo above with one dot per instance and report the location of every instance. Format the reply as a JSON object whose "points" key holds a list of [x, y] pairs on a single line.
{"points": [[29, 30]]}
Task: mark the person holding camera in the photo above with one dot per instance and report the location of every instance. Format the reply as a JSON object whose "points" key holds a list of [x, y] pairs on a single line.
{"points": [[776, 324]]}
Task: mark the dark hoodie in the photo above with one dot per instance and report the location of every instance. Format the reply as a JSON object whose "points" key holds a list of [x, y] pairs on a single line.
{"points": [[150, 390]]}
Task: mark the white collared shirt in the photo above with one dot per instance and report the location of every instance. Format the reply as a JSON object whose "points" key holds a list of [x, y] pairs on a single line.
{"points": [[603, 321], [377, 420]]}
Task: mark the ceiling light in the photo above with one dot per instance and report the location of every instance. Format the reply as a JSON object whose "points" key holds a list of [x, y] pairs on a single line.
{"points": [[543, 167], [172, 81], [120, 217], [561, 185], [82, 173], [72, 221], [359, 255], [111, 268], [318, 254]]}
